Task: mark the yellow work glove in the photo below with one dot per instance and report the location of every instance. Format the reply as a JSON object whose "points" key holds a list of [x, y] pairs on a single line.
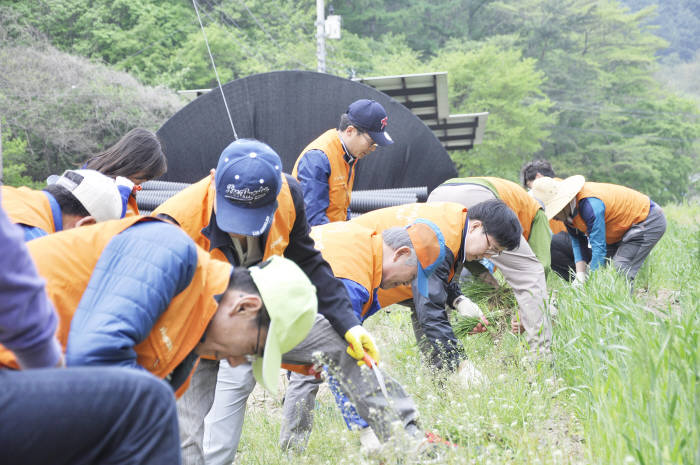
{"points": [[360, 342]]}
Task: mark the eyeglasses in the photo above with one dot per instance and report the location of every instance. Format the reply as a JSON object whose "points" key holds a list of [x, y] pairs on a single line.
{"points": [[491, 251], [372, 145]]}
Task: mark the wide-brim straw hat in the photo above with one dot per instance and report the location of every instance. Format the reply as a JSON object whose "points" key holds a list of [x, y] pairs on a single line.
{"points": [[555, 195]]}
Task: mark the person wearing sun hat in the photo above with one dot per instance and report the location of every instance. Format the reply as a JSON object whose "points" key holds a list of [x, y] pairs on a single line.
{"points": [[618, 222], [245, 212], [76, 198], [326, 167], [365, 261]]}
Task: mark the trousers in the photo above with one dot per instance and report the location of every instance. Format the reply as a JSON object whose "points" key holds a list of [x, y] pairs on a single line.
{"points": [[86, 416], [638, 241], [322, 346]]}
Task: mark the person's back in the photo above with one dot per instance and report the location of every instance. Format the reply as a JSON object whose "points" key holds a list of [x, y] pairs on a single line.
{"points": [[77, 198], [614, 221]]}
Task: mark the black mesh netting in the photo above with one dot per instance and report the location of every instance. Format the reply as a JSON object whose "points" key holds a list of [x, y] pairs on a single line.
{"points": [[287, 110]]}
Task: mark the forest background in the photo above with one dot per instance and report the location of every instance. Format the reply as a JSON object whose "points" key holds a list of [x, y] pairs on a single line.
{"points": [[604, 88]]}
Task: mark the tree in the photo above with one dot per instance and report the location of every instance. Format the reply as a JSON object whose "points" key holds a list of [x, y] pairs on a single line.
{"points": [[487, 77], [66, 108], [599, 61], [426, 24]]}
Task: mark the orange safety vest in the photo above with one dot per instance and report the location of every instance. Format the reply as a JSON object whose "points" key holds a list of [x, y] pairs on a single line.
{"points": [[448, 216], [624, 207], [354, 252], [28, 206], [340, 180], [66, 261], [557, 226], [192, 208], [132, 208], [517, 198]]}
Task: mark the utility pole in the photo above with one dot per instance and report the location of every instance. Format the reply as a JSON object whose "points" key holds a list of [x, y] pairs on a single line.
{"points": [[320, 37]]}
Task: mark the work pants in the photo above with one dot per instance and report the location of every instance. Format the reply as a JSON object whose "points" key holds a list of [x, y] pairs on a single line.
{"points": [[638, 241], [82, 415]]}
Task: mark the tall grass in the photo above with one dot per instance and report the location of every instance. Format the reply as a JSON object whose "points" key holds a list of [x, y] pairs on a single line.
{"points": [[632, 364]]}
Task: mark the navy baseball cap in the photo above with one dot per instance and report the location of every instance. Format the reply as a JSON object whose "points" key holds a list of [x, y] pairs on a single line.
{"points": [[370, 116], [248, 179]]}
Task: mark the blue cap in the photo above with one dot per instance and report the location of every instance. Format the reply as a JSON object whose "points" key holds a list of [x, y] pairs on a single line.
{"points": [[248, 179], [429, 246], [370, 116]]}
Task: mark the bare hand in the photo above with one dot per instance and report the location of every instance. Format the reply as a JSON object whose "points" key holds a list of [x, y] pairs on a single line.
{"points": [[516, 327], [480, 327]]}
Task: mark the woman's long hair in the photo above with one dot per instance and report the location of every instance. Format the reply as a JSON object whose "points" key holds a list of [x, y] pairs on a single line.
{"points": [[138, 152]]}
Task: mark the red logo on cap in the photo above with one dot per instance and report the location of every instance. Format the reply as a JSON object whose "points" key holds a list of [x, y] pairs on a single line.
{"points": [[384, 121]]}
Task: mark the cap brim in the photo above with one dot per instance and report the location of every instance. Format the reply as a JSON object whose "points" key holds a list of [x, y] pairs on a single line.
{"points": [[240, 220], [422, 282], [267, 369], [381, 138]]}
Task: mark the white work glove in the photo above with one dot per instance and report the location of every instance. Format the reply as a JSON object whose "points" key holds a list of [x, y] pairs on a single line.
{"points": [[469, 375], [579, 279], [466, 308]]}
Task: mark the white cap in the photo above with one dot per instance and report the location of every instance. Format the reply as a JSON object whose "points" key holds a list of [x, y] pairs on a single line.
{"points": [[98, 193]]}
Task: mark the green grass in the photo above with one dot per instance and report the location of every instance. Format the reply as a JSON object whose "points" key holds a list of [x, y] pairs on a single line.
{"points": [[622, 388]]}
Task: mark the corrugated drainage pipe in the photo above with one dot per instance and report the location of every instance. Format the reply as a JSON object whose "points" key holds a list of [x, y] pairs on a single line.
{"points": [[366, 204], [164, 186], [150, 200], [421, 192]]}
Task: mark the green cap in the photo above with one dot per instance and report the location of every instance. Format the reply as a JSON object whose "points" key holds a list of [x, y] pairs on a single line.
{"points": [[290, 299]]}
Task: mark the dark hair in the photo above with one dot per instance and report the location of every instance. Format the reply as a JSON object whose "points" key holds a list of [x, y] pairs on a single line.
{"points": [[138, 152], [530, 170], [241, 280], [499, 221], [67, 201], [345, 121]]}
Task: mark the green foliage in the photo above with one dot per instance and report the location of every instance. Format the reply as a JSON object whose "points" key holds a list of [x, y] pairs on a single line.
{"points": [[677, 21], [65, 108], [614, 124], [13, 152], [428, 25], [488, 77], [137, 37], [569, 81]]}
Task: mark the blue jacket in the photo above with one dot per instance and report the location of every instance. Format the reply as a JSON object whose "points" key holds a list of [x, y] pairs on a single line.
{"points": [[137, 275], [27, 318]]}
